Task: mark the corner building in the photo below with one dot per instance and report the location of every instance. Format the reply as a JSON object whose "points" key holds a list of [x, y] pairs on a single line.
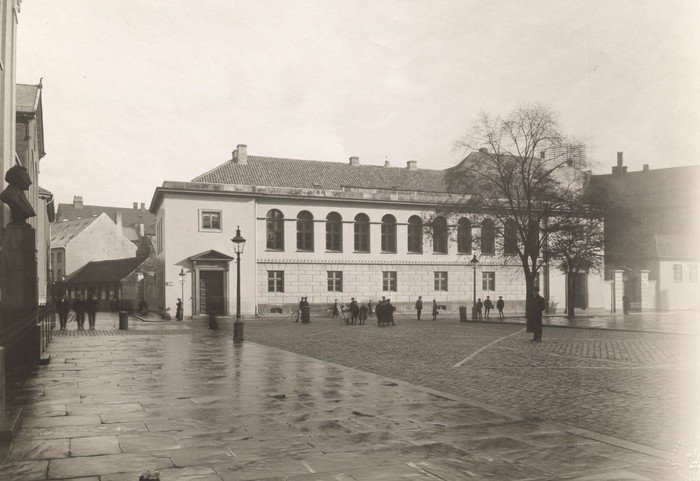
{"points": [[330, 230]]}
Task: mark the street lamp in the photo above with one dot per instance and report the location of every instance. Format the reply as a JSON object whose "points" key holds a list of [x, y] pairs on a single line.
{"points": [[181, 275], [238, 246], [474, 262]]}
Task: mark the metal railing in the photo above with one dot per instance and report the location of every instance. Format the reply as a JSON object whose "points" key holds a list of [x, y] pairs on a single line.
{"points": [[46, 318]]}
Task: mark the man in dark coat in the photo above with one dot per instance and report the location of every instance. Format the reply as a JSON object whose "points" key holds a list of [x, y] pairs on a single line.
{"points": [[500, 304], [79, 308], [533, 314], [381, 312], [178, 309], [62, 309], [354, 311], [91, 309], [479, 306], [419, 306], [390, 308], [488, 305], [363, 314]]}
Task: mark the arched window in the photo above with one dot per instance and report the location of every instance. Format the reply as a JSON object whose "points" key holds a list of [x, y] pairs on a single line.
{"points": [[440, 235], [415, 234], [510, 238], [488, 237], [388, 233], [305, 231], [464, 236], [361, 233], [334, 232], [274, 225]]}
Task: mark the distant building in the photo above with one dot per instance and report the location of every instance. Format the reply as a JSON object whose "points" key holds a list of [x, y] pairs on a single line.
{"points": [[74, 243], [130, 280], [652, 227], [136, 222], [30, 147], [330, 230]]}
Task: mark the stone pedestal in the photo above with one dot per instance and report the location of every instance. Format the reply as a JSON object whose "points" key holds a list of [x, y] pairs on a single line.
{"points": [[618, 290], [18, 272]]}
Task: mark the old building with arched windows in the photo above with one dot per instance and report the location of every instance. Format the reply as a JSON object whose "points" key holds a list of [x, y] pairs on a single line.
{"points": [[331, 230]]}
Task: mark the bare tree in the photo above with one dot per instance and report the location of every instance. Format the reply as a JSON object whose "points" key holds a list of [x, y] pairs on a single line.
{"points": [[577, 246], [521, 173]]}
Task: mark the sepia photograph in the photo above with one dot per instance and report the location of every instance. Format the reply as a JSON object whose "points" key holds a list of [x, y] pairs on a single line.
{"points": [[349, 240]]}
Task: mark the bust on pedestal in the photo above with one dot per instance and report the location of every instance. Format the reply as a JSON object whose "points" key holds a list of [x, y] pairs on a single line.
{"points": [[18, 272]]}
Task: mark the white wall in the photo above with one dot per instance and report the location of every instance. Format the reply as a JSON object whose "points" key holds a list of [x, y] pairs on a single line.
{"points": [[101, 240], [183, 239], [677, 295]]}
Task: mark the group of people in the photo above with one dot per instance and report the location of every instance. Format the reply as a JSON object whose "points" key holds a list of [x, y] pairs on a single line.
{"points": [[81, 307], [419, 308], [357, 313], [487, 306]]}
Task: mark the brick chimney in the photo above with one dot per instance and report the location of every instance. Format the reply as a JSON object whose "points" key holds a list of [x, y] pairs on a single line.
{"points": [[136, 205], [354, 161], [645, 167], [78, 201], [484, 150], [143, 205], [619, 169], [240, 155], [412, 165]]}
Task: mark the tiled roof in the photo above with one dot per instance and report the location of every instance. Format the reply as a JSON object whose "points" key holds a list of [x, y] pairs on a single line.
{"points": [[129, 216], [104, 272], [277, 172], [27, 97], [64, 232], [676, 247]]}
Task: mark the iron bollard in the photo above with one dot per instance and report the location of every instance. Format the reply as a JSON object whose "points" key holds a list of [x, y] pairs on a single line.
{"points": [[238, 331], [305, 315], [123, 320], [462, 314]]}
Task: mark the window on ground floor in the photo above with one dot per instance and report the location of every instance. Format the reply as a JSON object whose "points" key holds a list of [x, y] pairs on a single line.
{"points": [[677, 272], [275, 281], [488, 281], [335, 281], [389, 281], [440, 280]]}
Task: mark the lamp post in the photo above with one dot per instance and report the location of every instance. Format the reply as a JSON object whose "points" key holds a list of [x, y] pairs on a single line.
{"points": [[181, 275], [238, 246], [474, 262]]}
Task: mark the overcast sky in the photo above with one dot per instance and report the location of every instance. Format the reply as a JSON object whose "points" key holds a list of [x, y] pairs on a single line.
{"points": [[139, 92]]}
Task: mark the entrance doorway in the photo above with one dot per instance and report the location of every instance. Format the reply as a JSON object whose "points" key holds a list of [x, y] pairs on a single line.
{"points": [[211, 292]]}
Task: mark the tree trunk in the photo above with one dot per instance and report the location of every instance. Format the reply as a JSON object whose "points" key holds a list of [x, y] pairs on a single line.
{"points": [[570, 294]]}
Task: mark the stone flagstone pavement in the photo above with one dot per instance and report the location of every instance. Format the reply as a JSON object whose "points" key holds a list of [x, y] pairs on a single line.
{"points": [[190, 404]]}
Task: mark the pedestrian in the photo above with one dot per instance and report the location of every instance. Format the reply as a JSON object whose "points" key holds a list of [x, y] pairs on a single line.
{"points": [[91, 310], [380, 310], [178, 309], [303, 307], [435, 310], [335, 312], [625, 304], [363, 314], [62, 308], [354, 311], [479, 306], [488, 305], [419, 306], [533, 314], [370, 309], [500, 304], [390, 308], [79, 308]]}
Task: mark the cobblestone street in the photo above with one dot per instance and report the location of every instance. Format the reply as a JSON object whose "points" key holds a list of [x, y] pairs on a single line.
{"points": [[638, 386]]}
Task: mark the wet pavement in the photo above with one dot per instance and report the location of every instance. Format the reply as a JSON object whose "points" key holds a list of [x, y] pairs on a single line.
{"points": [[188, 402]]}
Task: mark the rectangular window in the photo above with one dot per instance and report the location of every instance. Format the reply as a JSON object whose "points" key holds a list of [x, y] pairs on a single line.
{"points": [[275, 281], [488, 281], [693, 273], [440, 280], [335, 281], [210, 220], [677, 273], [389, 281]]}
